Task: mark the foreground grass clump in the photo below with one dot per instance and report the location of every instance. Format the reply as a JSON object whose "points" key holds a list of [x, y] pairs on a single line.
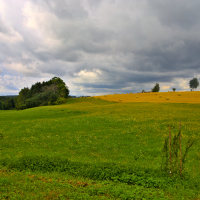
{"points": [[29, 185], [94, 149]]}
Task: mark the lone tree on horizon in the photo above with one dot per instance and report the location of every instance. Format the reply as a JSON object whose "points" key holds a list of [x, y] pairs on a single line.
{"points": [[194, 83], [156, 88], [174, 89]]}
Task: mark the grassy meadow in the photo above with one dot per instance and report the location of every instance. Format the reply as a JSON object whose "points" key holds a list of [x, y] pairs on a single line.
{"points": [[90, 148]]}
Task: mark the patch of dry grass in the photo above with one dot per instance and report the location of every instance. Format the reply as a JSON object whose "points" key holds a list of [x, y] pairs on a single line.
{"points": [[157, 97]]}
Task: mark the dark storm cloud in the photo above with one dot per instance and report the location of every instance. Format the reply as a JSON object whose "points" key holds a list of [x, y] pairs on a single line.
{"points": [[176, 14], [121, 80], [104, 45]]}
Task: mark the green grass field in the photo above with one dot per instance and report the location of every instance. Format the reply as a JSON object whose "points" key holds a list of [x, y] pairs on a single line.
{"points": [[94, 149]]}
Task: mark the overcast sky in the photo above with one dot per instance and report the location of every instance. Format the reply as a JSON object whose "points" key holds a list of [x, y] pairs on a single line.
{"points": [[99, 46]]}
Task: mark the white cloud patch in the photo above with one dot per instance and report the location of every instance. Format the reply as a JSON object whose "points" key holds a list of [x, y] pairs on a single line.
{"points": [[8, 33], [165, 87], [88, 76], [183, 84]]}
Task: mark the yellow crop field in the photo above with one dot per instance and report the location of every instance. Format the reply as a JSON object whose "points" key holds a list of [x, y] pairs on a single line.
{"points": [[157, 97]]}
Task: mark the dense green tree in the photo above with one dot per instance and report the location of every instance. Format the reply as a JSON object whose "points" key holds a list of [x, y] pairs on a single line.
{"points": [[156, 88], [7, 103], [44, 93], [62, 89], [36, 88], [194, 83], [24, 94], [1, 105], [174, 89]]}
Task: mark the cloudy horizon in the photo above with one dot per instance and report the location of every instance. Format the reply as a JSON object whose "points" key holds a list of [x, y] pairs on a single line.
{"points": [[99, 46]]}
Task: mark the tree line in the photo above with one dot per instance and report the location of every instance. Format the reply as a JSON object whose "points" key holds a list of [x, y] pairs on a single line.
{"points": [[7, 102], [193, 83], [50, 92]]}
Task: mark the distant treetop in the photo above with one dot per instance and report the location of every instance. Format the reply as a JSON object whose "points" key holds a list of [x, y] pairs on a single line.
{"points": [[194, 83], [156, 88]]}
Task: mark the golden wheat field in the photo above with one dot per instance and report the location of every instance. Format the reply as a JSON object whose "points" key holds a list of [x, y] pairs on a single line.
{"points": [[162, 97]]}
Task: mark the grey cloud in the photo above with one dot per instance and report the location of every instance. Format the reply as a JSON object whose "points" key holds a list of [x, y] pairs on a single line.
{"points": [[64, 9], [184, 14], [11, 87], [54, 68], [3, 28], [69, 9]]}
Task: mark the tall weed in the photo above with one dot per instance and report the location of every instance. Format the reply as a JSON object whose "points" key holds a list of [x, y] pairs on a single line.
{"points": [[173, 160]]}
